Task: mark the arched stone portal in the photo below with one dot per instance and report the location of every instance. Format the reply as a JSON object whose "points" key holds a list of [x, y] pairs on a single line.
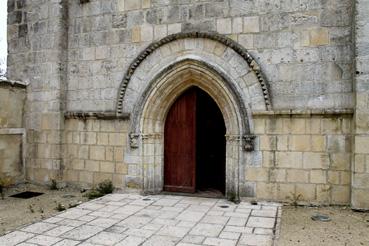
{"points": [[150, 113], [161, 78]]}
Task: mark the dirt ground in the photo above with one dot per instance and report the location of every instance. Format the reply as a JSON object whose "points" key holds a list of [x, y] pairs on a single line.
{"points": [[15, 212], [345, 228]]}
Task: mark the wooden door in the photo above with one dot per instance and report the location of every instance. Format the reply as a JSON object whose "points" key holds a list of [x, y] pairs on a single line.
{"points": [[180, 144]]}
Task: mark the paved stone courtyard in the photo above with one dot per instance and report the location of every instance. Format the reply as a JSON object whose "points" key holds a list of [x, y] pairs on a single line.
{"points": [[129, 219]]}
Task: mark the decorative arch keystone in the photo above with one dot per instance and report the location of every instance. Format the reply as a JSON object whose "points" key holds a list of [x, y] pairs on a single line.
{"points": [[206, 35]]}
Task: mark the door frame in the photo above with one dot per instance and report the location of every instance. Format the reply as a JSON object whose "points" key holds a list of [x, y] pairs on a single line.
{"points": [[195, 94], [147, 138]]}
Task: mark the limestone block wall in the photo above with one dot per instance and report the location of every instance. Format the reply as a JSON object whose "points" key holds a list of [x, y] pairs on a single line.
{"points": [[12, 133], [360, 182], [94, 151], [313, 53], [12, 99], [304, 47], [11, 156], [305, 157], [37, 44]]}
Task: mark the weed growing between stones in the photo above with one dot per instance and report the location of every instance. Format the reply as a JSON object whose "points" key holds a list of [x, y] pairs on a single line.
{"points": [[60, 207], [30, 207], [103, 188], [295, 198], [53, 185], [233, 198], [5, 182]]}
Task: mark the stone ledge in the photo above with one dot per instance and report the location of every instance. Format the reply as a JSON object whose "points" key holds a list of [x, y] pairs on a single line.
{"points": [[12, 83], [306, 112], [12, 131], [104, 115]]}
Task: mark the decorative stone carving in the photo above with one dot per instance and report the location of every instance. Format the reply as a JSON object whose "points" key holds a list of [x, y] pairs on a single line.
{"points": [[151, 136], [233, 137], [207, 35], [134, 140], [95, 115], [248, 142]]}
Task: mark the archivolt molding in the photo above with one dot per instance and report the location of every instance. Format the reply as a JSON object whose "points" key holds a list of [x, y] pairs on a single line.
{"points": [[206, 35], [176, 79]]}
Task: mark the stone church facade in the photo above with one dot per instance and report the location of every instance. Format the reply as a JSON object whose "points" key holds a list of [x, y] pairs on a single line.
{"points": [[290, 78]]}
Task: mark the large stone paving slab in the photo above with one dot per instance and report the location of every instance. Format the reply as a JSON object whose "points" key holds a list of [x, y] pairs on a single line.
{"points": [[130, 219]]}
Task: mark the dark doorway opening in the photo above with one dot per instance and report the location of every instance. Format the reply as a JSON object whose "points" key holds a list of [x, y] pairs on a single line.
{"points": [[210, 145], [194, 145]]}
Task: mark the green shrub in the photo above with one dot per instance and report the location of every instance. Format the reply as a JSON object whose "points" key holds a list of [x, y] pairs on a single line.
{"points": [[53, 185], [92, 194], [103, 188], [5, 182], [60, 207]]}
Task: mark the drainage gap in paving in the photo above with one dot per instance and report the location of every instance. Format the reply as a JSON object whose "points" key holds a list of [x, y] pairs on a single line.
{"points": [[27, 194]]}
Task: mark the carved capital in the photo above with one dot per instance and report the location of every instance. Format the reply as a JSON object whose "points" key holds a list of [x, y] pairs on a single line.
{"points": [[146, 136], [248, 142], [134, 140], [233, 138]]}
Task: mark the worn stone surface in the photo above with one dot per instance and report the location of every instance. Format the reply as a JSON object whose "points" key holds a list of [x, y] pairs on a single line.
{"points": [[307, 159], [95, 151], [130, 219], [12, 139], [12, 101], [38, 34], [280, 32], [361, 139], [76, 58], [11, 157]]}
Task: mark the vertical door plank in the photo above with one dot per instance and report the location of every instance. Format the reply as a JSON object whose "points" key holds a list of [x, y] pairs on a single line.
{"points": [[180, 144]]}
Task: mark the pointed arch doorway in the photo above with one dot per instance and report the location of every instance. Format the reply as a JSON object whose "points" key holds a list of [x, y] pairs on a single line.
{"points": [[194, 144], [146, 138]]}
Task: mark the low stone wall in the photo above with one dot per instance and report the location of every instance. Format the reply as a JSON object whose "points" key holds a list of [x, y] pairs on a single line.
{"points": [[94, 151], [11, 156], [305, 157], [12, 134]]}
